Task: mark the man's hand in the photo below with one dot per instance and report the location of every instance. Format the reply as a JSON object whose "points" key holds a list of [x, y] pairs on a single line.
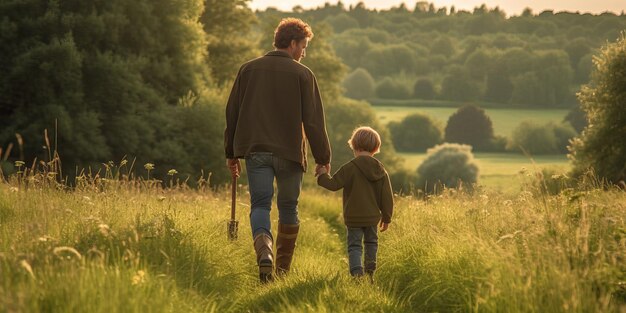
{"points": [[234, 166], [318, 168], [383, 226], [320, 171]]}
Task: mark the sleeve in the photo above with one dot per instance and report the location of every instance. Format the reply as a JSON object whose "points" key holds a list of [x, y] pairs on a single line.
{"points": [[313, 119], [333, 183], [232, 114], [387, 200]]}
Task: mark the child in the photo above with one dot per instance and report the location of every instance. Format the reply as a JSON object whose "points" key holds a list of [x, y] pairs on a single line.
{"points": [[367, 197]]}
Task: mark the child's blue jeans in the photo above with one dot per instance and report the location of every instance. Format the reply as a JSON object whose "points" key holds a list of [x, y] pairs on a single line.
{"points": [[262, 167], [357, 238]]}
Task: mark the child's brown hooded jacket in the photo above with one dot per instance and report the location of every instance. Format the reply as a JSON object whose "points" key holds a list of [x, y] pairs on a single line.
{"points": [[367, 195]]}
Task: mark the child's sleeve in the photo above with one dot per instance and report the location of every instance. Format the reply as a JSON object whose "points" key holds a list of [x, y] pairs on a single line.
{"points": [[387, 200], [333, 183]]}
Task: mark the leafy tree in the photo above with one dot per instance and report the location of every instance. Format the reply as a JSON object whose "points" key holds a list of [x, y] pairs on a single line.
{"points": [[447, 165], [342, 22], [351, 49], [390, 89], [516, 61], [415, 133], [549, 138], [499, 86], [602, 144], [576, 49], [388, 60], [424, 89], [323, 61], [470, 125], [359, 84], [443, 46], [227, 24], [563, 133], [583, 69], [458, 85], [478, 63]]}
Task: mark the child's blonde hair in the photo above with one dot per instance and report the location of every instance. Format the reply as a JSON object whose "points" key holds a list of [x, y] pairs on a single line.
{"points": [[365, 138]]}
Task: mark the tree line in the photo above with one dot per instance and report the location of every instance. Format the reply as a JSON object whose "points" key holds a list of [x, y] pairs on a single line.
{"points": [[427, 52], [139, 80]]}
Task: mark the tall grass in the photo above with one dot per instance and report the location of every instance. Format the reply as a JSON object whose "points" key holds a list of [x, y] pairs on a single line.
{"points": [[127, 245]]}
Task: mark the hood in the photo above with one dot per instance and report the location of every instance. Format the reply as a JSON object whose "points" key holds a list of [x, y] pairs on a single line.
{"points": [[370, 167]]}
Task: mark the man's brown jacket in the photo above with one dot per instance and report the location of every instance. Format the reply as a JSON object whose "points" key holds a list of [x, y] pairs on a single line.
{"points": [[367, 195], [275, 106]]}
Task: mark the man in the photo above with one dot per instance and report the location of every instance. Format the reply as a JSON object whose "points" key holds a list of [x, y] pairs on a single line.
{"points": [[273, 108]]}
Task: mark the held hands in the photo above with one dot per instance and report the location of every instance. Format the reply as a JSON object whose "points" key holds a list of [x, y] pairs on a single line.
{"points": [[383, 226], [234, 166], [322, 169]]}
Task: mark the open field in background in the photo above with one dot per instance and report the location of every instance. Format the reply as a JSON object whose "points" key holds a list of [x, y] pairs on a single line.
{"points": [[501, 171], [504, 120], [112, 248]]}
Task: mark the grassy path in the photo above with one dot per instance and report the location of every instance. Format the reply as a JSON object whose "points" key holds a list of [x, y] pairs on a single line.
{"points": [[115, 250]]}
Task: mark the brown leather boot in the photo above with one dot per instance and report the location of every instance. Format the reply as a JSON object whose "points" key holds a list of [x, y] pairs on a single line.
{"points": [[264, 257], [285, 246]]}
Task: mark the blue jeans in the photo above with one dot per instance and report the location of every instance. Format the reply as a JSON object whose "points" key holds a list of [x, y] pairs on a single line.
{"points": [[357, 238], [262, 168]]}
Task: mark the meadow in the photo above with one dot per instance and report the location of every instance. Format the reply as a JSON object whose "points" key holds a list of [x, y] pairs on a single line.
{"points": [[502, 172], [117, 245], [505, 120]]}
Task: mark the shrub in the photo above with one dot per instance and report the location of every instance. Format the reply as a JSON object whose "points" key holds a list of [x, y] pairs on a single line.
{"points": [[390, 89], [447, 165], [424, 89], [577, 118], [563, 134], [549, 181], [549, 138], [470, 125], [415, 133], [359, 84], [498, 144], [403, 181]]}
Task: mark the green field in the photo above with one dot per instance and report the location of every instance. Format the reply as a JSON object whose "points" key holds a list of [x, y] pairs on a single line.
{"points": [[119, 246], [503, 172], [504, 120]]}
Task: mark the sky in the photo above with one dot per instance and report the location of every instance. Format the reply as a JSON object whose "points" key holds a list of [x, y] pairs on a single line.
{"points": [[511, 7]]}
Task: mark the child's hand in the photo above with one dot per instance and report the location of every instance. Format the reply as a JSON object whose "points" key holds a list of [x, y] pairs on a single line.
{"points": [[383, 226], [320, 171]]}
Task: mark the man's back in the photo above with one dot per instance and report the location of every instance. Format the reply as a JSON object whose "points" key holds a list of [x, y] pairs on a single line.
{"points": [[273, 100]]}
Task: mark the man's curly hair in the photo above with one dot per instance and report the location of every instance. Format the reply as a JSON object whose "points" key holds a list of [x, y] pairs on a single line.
{"points": [[291, 29]]}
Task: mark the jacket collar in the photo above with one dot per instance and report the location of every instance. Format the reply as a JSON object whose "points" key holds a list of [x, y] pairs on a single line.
{"points": [[278, 53]]}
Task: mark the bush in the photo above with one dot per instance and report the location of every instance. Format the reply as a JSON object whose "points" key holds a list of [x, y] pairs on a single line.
{"points": [[577, 118], [498, 144], [549, 138], [415, 133], [470, 125], [424, 89], [359, 84], [390, 89], [403, 182], [563, 133], [549, 181], [447, 165]]}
